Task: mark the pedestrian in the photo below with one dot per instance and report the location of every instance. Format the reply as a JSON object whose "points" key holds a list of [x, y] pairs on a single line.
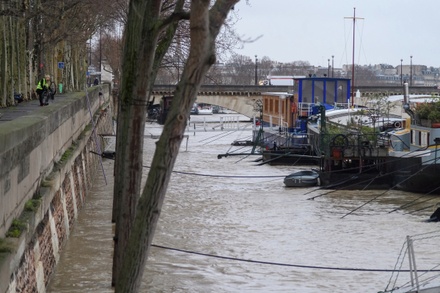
{"points": [[42, 86], [96, 82]]}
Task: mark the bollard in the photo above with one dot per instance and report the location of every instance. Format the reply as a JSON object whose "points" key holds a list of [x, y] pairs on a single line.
{"points": [[60, 88]]}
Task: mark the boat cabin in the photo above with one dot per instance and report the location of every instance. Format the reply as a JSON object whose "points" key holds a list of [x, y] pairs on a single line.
{"points": [[291, 110]]}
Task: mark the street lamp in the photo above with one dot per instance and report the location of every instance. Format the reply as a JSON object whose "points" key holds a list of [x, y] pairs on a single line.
{"points": [[100, 55], [410, 71], [333, 66], [401, 76], [328, 67], [89, 68], [256, 70]]}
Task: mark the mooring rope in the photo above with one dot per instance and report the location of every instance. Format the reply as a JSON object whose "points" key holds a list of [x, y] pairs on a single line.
{"points": [[284, 264]]}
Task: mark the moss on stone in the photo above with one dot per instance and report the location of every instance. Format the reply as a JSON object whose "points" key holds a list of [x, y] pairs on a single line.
{"points": [[5, 246], [17, 227], [32, 205]]}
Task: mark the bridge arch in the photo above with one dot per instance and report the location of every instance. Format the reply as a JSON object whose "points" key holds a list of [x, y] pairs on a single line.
{"points": [[242, 102]]}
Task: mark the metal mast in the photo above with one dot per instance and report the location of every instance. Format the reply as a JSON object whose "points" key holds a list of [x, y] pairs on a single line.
{"points": [[352, 60]]}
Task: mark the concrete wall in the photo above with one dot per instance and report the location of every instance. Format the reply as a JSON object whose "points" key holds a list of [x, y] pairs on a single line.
{"points": [[30, 145], [33, 147]]}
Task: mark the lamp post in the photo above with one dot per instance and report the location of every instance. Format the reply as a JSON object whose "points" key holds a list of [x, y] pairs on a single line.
{"points": [[100, 55], [328, 67], [401, 76], [89, 68], [256, 70], [333, 66], [410, 70]]}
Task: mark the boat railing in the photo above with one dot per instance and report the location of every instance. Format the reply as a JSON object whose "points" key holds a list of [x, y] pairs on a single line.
{"points": [[284, 128], [277, 124], [305, 109], [342, 106], [352, 145], [231, 122]]}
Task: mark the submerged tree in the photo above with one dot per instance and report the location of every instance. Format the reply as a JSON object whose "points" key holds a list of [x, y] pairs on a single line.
{"points": [[136, 220]]}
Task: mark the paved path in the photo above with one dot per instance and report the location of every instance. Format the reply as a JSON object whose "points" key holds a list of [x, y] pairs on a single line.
{"points": [[24, 109]]}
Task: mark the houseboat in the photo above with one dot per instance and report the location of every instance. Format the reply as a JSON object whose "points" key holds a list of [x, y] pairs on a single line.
{"points": [[368, 151], [285, 115]]}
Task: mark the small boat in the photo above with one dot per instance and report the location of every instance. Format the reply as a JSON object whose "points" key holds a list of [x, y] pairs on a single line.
{"points": [[242, 143], [305, 178]]}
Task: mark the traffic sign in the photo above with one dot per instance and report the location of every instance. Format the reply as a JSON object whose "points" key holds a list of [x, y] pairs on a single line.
{"points": [[60, 65]]}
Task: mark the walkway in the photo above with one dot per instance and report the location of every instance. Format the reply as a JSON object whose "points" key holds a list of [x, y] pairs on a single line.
{"points": [[25, 108]]}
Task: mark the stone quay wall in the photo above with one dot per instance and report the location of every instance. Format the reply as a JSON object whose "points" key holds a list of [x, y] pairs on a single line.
{"points": [[48, 164]]}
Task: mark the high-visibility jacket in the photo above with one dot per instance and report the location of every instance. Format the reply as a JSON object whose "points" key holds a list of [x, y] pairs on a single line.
{"points": [[41, 84]]}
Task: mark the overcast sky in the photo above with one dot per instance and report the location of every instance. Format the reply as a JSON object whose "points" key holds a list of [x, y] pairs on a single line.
{"points": [[314, 30]]}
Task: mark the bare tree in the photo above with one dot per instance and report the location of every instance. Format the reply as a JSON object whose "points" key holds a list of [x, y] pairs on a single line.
{"points": [[37, 35], [144, 17], [240, 70], [143, 52]]}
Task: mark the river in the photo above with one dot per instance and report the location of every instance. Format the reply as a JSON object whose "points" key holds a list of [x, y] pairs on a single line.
{"points": [[228, 225]]}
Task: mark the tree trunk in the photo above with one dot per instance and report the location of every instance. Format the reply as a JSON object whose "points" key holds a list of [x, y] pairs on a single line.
{"points": [[137, 66], [3, 59], [205, 25]]}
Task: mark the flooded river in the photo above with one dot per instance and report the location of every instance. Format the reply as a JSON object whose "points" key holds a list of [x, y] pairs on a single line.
{"points": [[228, 225]]}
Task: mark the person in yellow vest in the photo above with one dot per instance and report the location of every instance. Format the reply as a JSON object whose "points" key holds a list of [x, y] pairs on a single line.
{"points": [[42, 86]]}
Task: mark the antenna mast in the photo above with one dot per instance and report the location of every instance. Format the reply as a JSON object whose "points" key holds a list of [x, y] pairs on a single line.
{"points": [[352, 60]]}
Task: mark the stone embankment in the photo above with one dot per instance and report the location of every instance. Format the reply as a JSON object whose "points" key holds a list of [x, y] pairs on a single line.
{"points": [[47, 165]]}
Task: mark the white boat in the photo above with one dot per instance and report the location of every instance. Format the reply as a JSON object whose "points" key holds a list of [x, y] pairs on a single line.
{"points": [[205, 111], [420, 281], [305, 178]]}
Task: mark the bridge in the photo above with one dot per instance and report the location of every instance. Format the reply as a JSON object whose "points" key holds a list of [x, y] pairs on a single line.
{"points": [[241, 98]]}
